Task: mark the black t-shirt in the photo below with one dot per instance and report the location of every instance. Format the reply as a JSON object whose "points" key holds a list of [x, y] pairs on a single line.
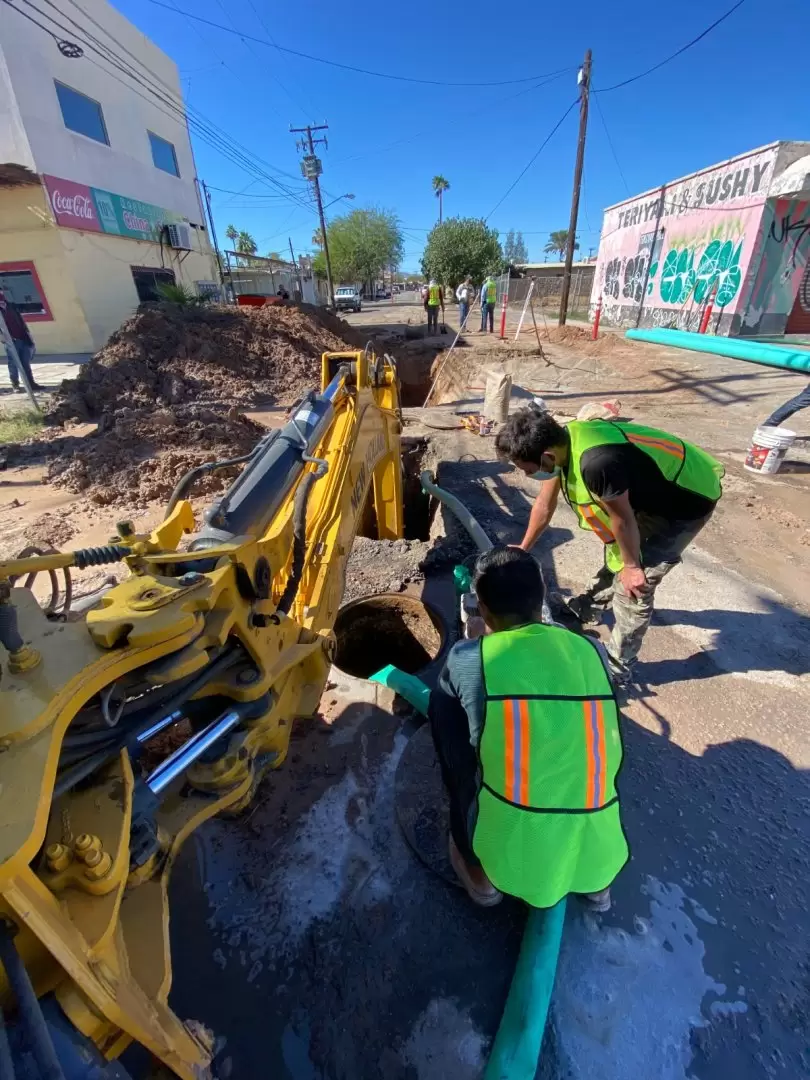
{"points": [[610, 470]]}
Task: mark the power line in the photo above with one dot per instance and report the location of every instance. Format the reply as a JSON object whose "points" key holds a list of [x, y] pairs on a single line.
{"points": [[655, 67], [430, 131], [534, 158], [175, 103], [350, 67], [206, 130], [610, 143]]}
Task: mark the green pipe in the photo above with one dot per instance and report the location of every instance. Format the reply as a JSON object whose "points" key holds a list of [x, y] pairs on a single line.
{"points": [[757, 352], [479, 537], [516, 1050]]}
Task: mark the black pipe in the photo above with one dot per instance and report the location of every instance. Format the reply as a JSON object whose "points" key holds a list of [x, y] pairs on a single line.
{"points": [[75, 773], [193, 475], [31, 1017], [299, 542], [6, 1062]]}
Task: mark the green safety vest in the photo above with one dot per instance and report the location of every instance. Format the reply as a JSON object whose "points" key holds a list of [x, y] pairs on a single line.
{"points": [[434, 296], [548, 813], [679, 461], [491, 291]]}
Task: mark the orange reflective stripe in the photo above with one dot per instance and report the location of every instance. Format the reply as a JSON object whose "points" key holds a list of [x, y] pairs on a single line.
{"points": [[596, 523], [516, 750], [524, 752], [595, 755], [509, 750], [667, 445], [602, 756]]}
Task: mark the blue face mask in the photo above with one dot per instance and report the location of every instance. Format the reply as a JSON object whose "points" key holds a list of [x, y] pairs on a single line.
{"points": [[542, 475]]}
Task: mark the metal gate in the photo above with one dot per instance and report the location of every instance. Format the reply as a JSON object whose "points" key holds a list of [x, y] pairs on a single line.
{"points": [[799, 318]]}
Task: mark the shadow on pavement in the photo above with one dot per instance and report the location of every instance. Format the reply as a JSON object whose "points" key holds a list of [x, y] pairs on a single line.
{"points": [[723, 839]]}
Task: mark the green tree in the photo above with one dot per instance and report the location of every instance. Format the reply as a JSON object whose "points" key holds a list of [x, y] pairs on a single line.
{"points": [[233, 234], [509, 247], [273, 255], [440, 185], [521, 252], [317, 239], [362, 244], [460, 247], [558, 241]]}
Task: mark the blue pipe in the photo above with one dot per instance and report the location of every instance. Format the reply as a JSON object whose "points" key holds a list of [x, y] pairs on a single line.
{"points": [[757, 352], [516, 1050]]}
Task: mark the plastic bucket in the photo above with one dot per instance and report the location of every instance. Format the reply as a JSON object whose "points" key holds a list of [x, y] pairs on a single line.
{"points": [[768, 448]]}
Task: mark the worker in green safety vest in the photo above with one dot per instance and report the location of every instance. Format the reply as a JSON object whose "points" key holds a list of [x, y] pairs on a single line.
{"points": [[489, 297], [433, 301], [644, 492], [526, 730]]}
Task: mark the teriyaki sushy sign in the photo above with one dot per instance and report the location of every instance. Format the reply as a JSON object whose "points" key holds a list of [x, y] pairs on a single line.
{"points": [[77, 206]]}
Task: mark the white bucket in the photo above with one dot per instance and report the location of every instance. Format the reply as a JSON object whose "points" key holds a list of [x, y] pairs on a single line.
{"points": [[768, 448]]}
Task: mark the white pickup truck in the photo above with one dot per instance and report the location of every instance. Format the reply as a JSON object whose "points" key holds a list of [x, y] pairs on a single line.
{"points": [[347, 298]]}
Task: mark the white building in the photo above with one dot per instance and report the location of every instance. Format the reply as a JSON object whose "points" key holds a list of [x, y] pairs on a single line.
{"points": [[99, 199]]}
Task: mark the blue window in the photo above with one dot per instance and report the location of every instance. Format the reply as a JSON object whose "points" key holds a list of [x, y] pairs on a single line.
{"points": [[163, 154], [81, 113]]}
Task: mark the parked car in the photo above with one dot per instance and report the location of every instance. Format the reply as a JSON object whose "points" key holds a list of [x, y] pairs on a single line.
{"points": [[347, 298], [383, 294]]}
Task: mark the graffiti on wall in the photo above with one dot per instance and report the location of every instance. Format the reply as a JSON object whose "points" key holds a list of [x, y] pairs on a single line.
{"points": [[676, 247], [784, 257]]}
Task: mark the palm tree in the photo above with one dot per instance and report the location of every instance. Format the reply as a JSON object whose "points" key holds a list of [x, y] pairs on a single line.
{"points": [[232, 234], [440, 185], [245, 244], [558, 241], [317, 239]]}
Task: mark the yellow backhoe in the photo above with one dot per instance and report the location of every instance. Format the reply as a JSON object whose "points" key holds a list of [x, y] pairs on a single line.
{"points": [[124, 730]]}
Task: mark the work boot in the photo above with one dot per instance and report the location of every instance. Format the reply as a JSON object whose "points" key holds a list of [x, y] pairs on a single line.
{"points": [[17, 389], [37, 387], [476, 883], [596, 902]]}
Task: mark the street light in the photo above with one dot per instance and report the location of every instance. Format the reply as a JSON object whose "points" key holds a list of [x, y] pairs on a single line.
{"points": [[347, 196]]}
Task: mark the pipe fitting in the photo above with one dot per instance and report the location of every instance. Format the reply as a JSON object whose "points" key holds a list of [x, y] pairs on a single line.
{"points": [[86, 847]]}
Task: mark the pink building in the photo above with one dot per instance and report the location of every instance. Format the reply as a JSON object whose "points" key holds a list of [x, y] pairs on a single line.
{"points": [[738, 233]]}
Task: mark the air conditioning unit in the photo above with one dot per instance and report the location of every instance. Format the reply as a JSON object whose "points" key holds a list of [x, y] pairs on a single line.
{"points": [[179, 237]]}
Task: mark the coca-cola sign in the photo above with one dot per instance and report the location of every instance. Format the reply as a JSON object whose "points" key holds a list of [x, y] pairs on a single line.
{"points": [[76, 206], [72, 204]]}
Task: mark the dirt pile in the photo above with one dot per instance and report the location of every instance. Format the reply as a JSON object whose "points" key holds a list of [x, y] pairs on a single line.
{"points": [[143, 454], [166, 391], [577, 337], [215, 356]]}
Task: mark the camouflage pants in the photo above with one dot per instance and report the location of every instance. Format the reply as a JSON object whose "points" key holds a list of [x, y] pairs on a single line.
{"points": [[662, 544]]}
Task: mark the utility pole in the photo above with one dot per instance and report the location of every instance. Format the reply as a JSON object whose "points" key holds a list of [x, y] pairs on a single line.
{"points": [[311, 168], [584, 79], [207, 194]]}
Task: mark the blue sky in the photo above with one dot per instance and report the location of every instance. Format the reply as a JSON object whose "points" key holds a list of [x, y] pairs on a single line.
{"points": [[744, 85]]}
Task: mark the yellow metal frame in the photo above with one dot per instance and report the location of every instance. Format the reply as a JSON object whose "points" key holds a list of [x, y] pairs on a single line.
{"points": [[89, 929]]}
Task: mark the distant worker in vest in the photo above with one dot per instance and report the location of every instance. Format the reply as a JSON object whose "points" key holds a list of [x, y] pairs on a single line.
{"points": [[434, 301], [489, 297], [645, 493], [526, 730]]}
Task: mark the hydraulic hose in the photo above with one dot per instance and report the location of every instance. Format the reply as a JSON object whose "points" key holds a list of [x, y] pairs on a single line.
{"points": [[479, 537], [6, 1061], [299, 541]]}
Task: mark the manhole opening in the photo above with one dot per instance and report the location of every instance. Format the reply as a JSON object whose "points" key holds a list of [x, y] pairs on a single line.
{"points": [[388, 629]]}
